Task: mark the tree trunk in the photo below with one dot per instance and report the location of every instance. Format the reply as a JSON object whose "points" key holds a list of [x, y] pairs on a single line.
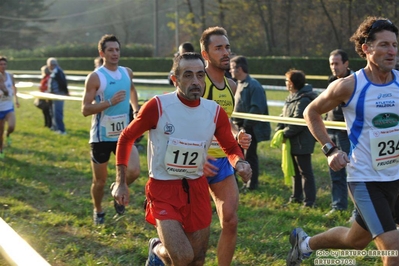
{"points": [[288, 27], [271, 19], [265, 26], [350, 18], [190, 10], [337, 37], [221, 13], [202, 14]]}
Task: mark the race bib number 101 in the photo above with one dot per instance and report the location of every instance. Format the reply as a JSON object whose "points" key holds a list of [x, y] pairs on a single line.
{"points": [[114, 125]]}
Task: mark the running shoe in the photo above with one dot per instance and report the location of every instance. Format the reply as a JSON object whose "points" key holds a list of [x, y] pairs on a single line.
{"points": [[119, 208], [332, 212], [153, 259], [352, 219], [295, 256], [59, 132], [98, 218]]}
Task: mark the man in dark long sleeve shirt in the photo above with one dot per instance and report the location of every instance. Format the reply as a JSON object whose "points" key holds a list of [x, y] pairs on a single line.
{"points": [[339, 65], [250, 97]]}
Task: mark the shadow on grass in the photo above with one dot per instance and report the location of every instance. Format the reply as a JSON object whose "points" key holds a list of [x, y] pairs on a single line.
{"points": [[58, 202]]}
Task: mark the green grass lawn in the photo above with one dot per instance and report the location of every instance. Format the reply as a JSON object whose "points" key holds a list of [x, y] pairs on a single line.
{"points": [[45, 196]]}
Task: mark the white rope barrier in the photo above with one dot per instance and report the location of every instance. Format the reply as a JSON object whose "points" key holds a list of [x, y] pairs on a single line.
{"points": [[164, 81], [51, 96], [286, 120], [146, 95], [143, 95]]}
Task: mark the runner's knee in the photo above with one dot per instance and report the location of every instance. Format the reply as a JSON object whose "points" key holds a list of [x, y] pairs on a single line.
{"points": [[230, 221], [132, 174]]}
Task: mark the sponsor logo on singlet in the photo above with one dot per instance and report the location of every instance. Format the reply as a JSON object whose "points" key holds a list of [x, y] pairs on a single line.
{"points": [[169, 129], [383, 104], [385, 120], [384, 95]]}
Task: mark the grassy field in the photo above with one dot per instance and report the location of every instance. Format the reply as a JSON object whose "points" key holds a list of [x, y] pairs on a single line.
{"points": [[45, 196]]}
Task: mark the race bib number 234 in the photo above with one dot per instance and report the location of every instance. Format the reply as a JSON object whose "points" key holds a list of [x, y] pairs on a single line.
{"points": [[384, 148]]}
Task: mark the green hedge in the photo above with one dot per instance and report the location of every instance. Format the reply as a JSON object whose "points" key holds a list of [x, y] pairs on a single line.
{"points": [[87, 64], [280, 65], [76, 50], [311, 66]]}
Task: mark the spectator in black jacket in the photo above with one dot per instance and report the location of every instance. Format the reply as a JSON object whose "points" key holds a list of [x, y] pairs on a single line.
{"points": [[302, 141], [339, 65], [250, 97], [57, 85]]}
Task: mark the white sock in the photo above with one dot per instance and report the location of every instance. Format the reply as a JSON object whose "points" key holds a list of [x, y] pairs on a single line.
{"points": [[305, 246], [155, 249]]}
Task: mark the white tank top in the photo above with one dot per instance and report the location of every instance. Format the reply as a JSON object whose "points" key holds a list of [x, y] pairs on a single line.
{"points": [[6, 102], [108, 124], [177, 146], [372, 118]]}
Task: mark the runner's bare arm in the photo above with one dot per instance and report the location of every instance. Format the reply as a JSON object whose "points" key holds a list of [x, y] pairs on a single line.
{"points": [[134, 99], [337, 92], [89, 107]]}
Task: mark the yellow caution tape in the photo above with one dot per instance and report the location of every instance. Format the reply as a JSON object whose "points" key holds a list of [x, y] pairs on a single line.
{"points": [[287, 120]]}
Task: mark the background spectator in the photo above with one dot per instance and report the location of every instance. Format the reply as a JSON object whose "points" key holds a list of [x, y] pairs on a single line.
{"points": [[183, 48], [43, 104], [339, 65], [98, 61], [250, 97], [302, 141], [57, 85]]}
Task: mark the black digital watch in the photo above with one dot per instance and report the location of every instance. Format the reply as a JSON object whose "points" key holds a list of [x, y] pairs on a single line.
{"points": [[328, 148]]}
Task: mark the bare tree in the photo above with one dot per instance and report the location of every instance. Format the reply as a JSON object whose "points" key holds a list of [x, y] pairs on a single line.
{"points": [[20, 22], [191, 10], [350, 17], [288, 25], [337, 36], [270, 10], [203, 15], [264, 25], [221, 12]]}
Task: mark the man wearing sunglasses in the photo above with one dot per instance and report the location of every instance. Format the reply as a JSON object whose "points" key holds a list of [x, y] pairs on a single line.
{"points": [[370, 100]]}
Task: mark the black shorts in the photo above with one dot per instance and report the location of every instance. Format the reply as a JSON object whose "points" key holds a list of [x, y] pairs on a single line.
{"points": [[375, 202], [101, 151]]}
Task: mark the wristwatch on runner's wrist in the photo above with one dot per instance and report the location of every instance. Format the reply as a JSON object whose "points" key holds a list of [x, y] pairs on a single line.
{"points": [[328, 148]]}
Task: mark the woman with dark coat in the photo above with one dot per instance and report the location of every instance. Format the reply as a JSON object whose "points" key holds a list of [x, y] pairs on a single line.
{"points": [[302, 141]]}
